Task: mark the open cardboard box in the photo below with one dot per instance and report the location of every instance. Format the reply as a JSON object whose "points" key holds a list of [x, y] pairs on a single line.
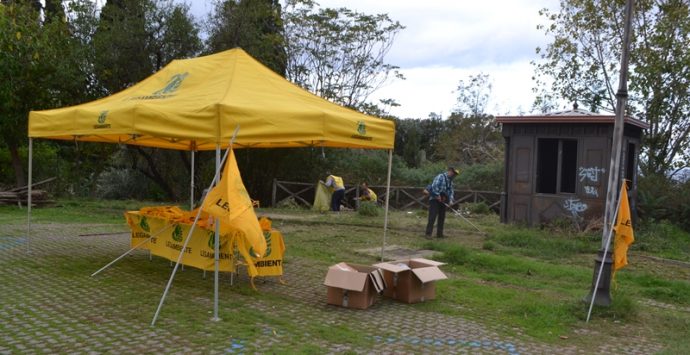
{"points": [[412, 280], [353, 285]]}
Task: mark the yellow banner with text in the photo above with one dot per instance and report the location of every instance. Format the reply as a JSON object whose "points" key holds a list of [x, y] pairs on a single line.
{"points": [[167, 240]]}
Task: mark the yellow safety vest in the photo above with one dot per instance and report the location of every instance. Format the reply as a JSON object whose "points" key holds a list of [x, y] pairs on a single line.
{"points": [[372, 196], [338, 182]]}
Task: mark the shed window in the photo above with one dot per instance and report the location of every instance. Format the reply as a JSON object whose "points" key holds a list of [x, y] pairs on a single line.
{"points": [[630, 162], [556, 165]]}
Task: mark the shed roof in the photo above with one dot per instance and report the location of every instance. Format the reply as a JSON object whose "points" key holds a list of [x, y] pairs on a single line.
{"points": [[571, 116]]}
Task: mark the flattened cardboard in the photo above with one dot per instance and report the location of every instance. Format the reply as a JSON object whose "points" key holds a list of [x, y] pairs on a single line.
{"points": [[377, 281], [411, 281], [347, 280], [429, 274], [353, 285], [427, 262]]}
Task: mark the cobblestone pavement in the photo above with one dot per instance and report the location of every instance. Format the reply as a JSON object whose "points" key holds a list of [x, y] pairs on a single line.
{"points": [[45, 309]]}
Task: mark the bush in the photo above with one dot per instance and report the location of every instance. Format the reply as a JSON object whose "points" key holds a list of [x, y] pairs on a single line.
{"points": [[478, 208], [481, 177], [660, 198], [289, 204], [122, 184], [368, 209], [489, 245]]}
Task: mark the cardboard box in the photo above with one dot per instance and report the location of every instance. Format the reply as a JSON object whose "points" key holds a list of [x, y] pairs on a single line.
{"points": [[353, 285], [411, 281]]}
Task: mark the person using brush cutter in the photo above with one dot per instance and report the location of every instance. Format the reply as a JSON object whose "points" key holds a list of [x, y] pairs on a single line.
{"points": [[440, 196]]}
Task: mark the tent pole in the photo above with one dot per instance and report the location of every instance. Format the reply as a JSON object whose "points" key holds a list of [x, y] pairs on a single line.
{"points": [[606, 250], [28, 196], [388, 194], [191, 183], [131, 250], [184, 246], [216, 248]]}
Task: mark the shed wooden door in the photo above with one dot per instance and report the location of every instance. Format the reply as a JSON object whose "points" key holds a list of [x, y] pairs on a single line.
{"points": [[521, 179]]}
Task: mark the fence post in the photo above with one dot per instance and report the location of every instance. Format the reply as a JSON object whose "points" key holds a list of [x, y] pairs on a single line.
{"points": [[504, 207], [273, 194]]}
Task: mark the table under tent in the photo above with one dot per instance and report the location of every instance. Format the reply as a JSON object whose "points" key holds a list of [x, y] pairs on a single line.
{"points": [[198, 105]]}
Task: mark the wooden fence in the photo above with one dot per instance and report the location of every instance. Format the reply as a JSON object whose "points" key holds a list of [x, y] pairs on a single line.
{"points": [[402, 197]]}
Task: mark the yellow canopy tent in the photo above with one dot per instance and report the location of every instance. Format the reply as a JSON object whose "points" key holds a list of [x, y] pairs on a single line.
{"points": [[196, 104]]}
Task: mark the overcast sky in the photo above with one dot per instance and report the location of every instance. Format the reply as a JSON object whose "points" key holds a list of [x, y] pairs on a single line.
{"points": [[446, 41]]}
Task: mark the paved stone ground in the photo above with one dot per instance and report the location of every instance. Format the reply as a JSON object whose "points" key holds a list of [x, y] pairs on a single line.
{"points": [[44, 311]]}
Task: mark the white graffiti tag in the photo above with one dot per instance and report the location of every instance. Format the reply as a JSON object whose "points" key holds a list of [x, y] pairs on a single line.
{"points": [[591, 174], [592, 191], [575, 206]]}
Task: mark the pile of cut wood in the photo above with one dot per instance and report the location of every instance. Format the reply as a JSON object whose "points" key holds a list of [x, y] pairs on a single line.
{"points": [[18, 196]]}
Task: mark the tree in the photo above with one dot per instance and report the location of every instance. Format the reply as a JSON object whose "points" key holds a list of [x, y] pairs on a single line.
{"points": [[254, 25], [338, 54], [135, 38], [37, 72], [472, 136], [581, 64], [122, 45]]}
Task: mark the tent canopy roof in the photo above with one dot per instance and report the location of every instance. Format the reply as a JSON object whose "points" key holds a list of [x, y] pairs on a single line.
{"points": [[194, 104]]}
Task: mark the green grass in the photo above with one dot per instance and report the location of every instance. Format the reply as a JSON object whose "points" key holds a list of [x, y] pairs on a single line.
{"points": [[544, 243], [663, 239], [74, 211], [518, 281]]}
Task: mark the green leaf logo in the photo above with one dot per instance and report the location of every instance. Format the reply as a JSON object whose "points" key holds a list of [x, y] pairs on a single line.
{"points": [[361, 128], [144, 224], [102, 116], [177, 233], [172, 85], [267, 236], [212, 240]]}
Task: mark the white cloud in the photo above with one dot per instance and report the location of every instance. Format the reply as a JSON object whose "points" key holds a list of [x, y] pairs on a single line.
{"points": [[445, 41], [432, 89]]}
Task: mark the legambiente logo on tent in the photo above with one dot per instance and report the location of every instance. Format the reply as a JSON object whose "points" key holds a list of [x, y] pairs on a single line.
{"points": [[361, 132], [167, 91], [101, 120]]}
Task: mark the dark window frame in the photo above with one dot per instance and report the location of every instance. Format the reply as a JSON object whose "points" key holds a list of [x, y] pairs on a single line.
{"points": [[564, 179]]}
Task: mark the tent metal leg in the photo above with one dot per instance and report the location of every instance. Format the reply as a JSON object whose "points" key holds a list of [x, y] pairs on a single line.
{"points": [[388, 194], [28, 196], [184, 247], [216, 249], [191, 183]]}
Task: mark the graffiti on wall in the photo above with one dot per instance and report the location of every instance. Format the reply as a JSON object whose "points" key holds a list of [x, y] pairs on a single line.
{"points": [[590, 174], [575, 206], [592, 191]]}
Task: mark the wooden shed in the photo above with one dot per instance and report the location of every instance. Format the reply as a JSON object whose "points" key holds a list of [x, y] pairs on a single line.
{"points": [[556, 165]]}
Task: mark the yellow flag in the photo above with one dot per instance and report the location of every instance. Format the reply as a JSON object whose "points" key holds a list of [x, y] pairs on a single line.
{"points": [[230, 202], [624, 232]]}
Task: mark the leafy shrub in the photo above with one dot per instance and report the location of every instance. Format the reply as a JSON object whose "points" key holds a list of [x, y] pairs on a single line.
{"points": [[489, 245], [481, 177], [662, 238], [368, 209], [478, 208], [121, 184], [289, 204]]}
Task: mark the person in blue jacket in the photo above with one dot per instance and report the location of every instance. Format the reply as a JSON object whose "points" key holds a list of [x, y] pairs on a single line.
{"points": [[440, 196]]}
